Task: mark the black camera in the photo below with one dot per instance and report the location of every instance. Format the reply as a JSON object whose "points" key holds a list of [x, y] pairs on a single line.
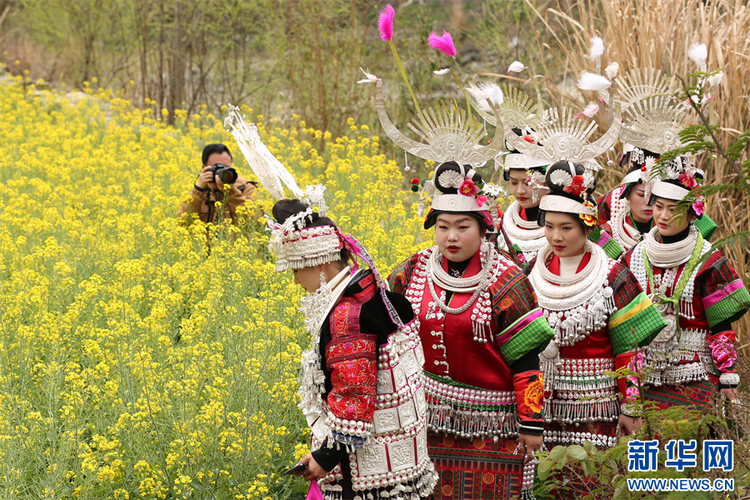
{"points": [[228, 175]]}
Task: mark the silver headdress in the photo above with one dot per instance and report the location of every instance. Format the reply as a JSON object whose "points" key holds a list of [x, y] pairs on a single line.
{"points": [[563, 137], [295, 245], [518, 110], [267, 168], [449, 133], [654, 123]]}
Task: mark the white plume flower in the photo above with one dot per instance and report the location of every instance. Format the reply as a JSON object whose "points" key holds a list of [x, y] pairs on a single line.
{"points": [[516, 66], [590, 110], [597, 48], [611, 70], [592, 81], [699, 53], [370, 78], [486, 90]]}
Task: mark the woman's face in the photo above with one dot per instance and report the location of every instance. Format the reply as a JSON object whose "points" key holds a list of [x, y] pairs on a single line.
{"points": [[668, 219], [564, 234], [639, 208], [458, 236], [520, 190], [308, 278]]}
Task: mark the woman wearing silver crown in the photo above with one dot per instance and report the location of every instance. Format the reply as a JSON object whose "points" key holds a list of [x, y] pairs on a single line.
{"points": [[652, 119], [624, 212], [695, 289], [525, 177], [361, 383], [598, 311], [483, 331], [478, 319]]}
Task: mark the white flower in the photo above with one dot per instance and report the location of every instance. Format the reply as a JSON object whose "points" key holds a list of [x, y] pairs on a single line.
{"points": [[451, 179], [516, 66], [715, 79], [493, 190], [597, 48], [441, 72], [370, 78]]}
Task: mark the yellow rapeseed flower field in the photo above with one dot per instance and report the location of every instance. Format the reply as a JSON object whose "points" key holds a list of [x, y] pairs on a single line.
{"points": [[134, 362]]}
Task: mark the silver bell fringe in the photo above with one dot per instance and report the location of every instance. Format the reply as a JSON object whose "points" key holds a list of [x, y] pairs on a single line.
{"points": [[415, 489], [665, 361], [605, 408], [555, 437], [467, 412]]}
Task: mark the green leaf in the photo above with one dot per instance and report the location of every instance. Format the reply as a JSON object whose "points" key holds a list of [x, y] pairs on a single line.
{"points": [[558, 452], [577, 452], [544, 468]]}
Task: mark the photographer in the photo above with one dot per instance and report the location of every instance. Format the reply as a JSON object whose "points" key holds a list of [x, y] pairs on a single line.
{"points": [[210, 188]]}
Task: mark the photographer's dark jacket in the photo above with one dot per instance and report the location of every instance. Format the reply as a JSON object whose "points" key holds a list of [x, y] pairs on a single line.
{"points": [[203, 202]]}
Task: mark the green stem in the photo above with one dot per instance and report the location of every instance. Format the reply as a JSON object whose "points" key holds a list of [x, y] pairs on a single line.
{"points": [[408, 85], [466, 93]]}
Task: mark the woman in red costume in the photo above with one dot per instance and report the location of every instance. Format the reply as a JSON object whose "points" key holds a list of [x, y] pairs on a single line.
{"points": [[482, 333], [696, 290]]}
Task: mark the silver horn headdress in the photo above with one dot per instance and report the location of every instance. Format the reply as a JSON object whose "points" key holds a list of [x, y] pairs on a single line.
{"points": [[449, 132], [563, 137]]}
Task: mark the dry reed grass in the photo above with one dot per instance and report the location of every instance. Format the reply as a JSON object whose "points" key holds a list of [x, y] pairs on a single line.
{"points": [[658, 34]]}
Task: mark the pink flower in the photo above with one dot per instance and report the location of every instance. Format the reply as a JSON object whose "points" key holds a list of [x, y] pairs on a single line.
{"points": [[481, 199], [385, 23], [442, 43], [688, 181], [698, 206], [468, 188], [631, 393], [722, 352]]}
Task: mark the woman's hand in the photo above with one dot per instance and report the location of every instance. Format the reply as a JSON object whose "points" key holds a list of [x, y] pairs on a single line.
{"points": [[313, 471], [528, 444], [628, 425]]}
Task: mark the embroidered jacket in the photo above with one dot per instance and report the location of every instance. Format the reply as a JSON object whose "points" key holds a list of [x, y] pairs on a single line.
{"points": [[702, 346], [479, 380], [372, 427], [591, 338]]}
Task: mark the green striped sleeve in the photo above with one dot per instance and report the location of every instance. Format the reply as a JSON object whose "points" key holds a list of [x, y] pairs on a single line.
{"points": [[634, 325]]}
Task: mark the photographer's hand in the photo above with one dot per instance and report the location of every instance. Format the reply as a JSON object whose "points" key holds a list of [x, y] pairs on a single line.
{"points": [[205, 178]]}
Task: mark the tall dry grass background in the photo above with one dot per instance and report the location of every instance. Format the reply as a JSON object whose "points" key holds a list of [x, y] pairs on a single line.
{"points": [[658, 34]]}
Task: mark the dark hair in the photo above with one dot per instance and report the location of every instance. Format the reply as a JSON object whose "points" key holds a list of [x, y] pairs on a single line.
{"points": [[215, 148], [629, 187], [283, 209], [477, 178], [558, 190]]}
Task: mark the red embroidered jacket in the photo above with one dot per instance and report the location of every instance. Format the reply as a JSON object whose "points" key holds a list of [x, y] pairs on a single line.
{"points": [[496, 376]]}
